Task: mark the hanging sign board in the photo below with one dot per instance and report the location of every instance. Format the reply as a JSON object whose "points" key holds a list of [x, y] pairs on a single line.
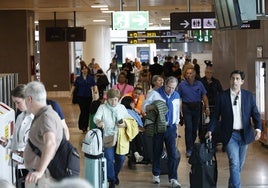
{"points": [[130, 20]]}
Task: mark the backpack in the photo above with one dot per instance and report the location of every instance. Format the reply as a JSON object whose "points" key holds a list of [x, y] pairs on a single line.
{"points": [[92, 144], [66, 162]]}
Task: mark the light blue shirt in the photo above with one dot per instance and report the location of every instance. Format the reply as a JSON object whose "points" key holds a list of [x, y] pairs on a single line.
{"points": [[136, 116]]}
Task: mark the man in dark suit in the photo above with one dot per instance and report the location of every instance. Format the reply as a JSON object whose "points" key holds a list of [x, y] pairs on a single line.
{"points": [[236, 108]]}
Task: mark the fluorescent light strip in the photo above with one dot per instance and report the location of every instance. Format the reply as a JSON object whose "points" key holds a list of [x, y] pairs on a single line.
{"points": [[99, 20], [102, 9], [165, 19], [107, 11], [99, 6]]}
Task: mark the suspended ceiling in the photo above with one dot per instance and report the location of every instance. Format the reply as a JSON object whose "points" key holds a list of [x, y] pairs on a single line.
{"points": [[84, 14]]}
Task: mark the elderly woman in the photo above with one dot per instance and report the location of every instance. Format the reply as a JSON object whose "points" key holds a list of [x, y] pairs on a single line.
{"points": [[109, 117], [157, 82]]}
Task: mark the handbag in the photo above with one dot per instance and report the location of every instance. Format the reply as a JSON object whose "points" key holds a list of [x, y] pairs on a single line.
{"points": [[109, 140], [95, 95]]}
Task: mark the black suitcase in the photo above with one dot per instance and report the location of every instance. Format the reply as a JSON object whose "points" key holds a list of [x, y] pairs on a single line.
{"points": [[204, 172], [146, 151]]}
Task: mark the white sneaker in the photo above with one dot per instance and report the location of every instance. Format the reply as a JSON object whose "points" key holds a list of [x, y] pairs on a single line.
{"points": [[156, 179], [138, 157], [174, 183]]}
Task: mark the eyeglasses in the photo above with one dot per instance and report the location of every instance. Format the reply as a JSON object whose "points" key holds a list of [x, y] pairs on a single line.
{"points": [[235, 100]]}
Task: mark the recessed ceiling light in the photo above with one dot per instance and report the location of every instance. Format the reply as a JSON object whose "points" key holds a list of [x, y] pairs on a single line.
{"points": [[99, 6], [99, 20]]}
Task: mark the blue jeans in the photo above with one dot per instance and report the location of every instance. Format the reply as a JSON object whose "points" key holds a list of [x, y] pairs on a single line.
{"points": [[169, 137], [114, 163], [192, 120], [113, 79], [236, 151], [78, 71]]}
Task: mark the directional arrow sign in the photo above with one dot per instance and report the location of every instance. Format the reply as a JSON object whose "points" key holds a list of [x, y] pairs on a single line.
{"points": [[192, 20], [202, 35], [185, 24], [130, 20]]}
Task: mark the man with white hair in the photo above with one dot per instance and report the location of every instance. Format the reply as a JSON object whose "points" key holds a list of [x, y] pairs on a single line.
{"points": [[45, 133], [172, 101]]}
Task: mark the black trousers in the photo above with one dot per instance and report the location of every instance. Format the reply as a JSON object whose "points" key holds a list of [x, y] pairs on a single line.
{"points": [[20, 177], [84, 105]]}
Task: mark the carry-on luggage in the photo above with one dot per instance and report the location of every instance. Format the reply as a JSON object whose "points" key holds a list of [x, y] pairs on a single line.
{"points": [[95, 163], [146, 151], [96, 172], [204, 172]]}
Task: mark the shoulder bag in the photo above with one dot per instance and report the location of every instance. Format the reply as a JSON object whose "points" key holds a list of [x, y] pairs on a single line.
{"points": [[66, 162]]}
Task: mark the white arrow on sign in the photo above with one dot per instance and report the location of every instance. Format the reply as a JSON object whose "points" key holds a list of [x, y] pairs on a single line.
{"points": [[140, 20], [185, 23]]}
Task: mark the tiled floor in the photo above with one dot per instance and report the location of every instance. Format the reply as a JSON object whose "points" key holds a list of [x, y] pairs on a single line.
{"points": [[254, 174]]}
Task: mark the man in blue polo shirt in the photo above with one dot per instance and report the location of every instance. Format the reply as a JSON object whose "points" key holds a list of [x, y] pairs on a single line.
{"points": [[192, 93]]}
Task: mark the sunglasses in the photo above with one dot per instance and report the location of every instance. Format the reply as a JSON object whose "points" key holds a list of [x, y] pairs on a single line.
{"points": [[235, 100]]}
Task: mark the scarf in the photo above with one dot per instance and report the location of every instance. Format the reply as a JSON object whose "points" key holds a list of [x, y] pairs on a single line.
{"points": [[114, 112], [174, 95]]}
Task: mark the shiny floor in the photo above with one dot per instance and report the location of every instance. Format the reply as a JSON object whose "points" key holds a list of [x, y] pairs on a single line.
{"points": [[254, 174]]}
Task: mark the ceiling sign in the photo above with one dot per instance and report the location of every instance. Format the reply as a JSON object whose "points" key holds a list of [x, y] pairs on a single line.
{"points": [[202, 35], [130, 20], [150, 36], [192, 20], [252, 24]]}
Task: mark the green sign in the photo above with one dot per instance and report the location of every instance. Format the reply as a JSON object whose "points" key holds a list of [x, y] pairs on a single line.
{"points": [[130, 20], [202, 35]]}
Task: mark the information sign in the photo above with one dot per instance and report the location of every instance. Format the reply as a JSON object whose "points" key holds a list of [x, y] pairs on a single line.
{"points": [[150, 36], [130, 20], [148, 33], [253, 24], [202, 35], [192, 20], [149, 40]]}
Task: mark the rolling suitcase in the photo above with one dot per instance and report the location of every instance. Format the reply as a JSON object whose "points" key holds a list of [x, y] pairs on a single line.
{"points": [[204, 172], [96, 172], [95, 163]]}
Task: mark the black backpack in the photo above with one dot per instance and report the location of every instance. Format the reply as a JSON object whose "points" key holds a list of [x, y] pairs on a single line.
{"points": [[66, 162]]}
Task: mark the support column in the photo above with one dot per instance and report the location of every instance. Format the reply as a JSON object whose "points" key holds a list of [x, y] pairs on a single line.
{"points": [[98, 46], [17, 43]]}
